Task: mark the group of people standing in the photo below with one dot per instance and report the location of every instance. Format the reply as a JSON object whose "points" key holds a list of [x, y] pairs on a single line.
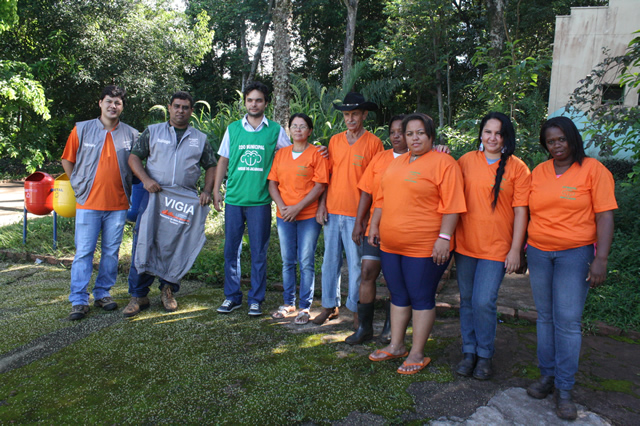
{"points": [[406, 211]]}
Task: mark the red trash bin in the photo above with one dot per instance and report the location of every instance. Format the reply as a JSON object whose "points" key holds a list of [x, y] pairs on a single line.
{"points": [[38, 197]]}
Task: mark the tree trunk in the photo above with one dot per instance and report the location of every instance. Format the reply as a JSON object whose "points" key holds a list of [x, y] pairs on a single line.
{"points": [[436, 64], [245, 55], [448, 93], [496, 10], [263, 37], [349, 41], [281, 61]]}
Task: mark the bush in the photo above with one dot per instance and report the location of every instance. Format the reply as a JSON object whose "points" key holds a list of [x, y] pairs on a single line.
{"points": [[620, 169], [617, 302]]}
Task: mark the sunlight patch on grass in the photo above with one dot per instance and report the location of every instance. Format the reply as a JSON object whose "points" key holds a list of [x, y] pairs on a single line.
{"points": [[177, 319], [198, 367]]}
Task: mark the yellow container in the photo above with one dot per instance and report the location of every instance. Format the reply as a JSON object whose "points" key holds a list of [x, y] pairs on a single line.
{"points": [[64, 200]]}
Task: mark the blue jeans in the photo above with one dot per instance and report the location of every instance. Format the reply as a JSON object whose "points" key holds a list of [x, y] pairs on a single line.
{"points": [[558, 282], [258, 220], [298, 241], [90, 223], [479, 281], [337, 236], [139, 283]]}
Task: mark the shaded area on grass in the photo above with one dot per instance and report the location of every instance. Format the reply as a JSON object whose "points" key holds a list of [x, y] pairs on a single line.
{"points": [[197, 366]]}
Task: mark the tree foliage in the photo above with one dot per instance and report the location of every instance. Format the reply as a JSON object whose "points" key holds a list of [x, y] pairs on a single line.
{"points": [[612, 127], [21, 98], [76, 47], [8, 14], [426, 55]]}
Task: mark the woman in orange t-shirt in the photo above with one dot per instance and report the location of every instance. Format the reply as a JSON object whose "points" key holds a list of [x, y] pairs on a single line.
{"points": [[489, 237], [572, 201], [298, 176], [368, 186], [416, 210]]}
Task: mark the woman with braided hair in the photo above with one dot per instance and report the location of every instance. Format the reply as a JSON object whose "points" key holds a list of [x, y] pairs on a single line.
{"points": [[489, 237]]}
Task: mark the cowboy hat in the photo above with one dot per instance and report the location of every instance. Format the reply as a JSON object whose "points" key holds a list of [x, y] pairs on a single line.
{"points": [[353, 101]]}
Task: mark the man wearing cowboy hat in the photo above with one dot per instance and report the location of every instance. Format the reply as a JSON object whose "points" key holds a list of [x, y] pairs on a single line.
{"points": [[349, 154]]}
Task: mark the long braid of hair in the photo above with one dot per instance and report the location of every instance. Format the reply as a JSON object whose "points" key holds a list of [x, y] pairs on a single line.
{"points": [[499, 173]]}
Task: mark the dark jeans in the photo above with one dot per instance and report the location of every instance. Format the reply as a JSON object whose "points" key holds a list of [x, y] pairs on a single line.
{"points": [[258, 220]]}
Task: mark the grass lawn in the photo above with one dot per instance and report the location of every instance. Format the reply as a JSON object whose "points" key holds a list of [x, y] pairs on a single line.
{"points": [[190, 366]]}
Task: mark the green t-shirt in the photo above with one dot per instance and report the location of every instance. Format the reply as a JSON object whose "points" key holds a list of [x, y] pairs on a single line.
{"points": [[250, 159]]}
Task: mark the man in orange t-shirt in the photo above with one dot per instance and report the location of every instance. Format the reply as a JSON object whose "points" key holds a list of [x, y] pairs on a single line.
{"points": [[349, 155], [95, 159]]}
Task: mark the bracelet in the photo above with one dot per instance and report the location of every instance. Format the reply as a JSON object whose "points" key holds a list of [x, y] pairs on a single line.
{"points": [[445, 236]]}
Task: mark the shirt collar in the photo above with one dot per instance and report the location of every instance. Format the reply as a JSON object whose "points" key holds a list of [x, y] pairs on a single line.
{"points": [[101, 126], [245, 122]]}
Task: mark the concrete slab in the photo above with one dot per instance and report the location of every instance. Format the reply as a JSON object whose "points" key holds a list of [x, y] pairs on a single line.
{"points": [[11, 202], [514, 407]]}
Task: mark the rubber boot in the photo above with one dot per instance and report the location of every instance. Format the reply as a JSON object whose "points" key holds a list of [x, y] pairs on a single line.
{"points": [[385, 335], [365, 328]]}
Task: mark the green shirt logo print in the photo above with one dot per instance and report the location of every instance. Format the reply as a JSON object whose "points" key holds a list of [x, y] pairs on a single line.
{"points": [[251, 158]]}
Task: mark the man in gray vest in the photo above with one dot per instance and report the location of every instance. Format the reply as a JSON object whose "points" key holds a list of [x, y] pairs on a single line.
{"points": [[95, 159], [174, 152]]}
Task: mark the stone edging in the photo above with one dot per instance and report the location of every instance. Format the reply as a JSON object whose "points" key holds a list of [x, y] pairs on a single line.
{"points": [[24, 257]]}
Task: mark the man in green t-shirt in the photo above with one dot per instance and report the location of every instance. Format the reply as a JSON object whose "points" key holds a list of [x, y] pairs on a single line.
{"points": [[246, 154]]}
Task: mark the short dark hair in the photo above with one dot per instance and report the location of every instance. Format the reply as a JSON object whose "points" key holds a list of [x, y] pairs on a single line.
{"points": [[114, 92], [508, 148], [256, 85], [429, 125], [185, 96], [305, 117], [398, 117], [574, 139]]}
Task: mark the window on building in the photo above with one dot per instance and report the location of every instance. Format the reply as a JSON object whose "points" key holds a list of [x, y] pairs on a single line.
{"points": [[612, 94]]}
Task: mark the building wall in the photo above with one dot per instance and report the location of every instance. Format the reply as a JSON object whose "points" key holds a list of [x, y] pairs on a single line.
{"points": [[578, 44]]}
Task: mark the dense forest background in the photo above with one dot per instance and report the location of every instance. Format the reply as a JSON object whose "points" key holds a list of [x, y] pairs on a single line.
{"points": [[453, 59]]}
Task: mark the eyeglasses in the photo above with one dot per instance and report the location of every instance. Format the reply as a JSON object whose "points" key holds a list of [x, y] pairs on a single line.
{"points": [[302, 127]]}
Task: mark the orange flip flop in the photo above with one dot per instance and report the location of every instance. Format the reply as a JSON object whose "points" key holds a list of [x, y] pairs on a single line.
{"points": [[388, 355], [422, 365]]}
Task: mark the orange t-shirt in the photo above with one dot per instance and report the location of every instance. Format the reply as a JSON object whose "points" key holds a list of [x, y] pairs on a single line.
{"points": [[563, 209], [107, 193], [348, 163], [296, 178], [413, 197], [370, 180], [482, 232]]}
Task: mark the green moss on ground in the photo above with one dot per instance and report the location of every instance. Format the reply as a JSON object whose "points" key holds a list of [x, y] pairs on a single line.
{"points": [[190, 366], [527, 371], [626, 339]]}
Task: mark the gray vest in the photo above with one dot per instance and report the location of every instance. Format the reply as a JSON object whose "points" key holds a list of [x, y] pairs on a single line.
{"points": [[170, 163], [171, 233], [92, 135]]}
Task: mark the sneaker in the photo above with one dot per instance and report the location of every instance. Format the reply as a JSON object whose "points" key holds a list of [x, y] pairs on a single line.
{"points": [[106, 303], [168, 301], [78, 312], [228, 306], [136, 304], [254, 310]]}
